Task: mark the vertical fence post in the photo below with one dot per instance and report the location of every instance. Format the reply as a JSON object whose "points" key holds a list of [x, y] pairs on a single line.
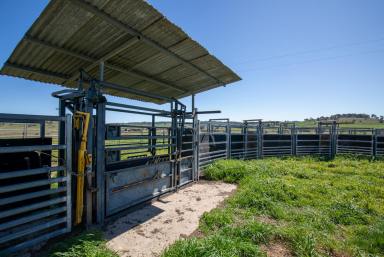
{"points": [[334, 139], [68, 168], [42, 129], [374, 143], [198, 149], [62, 130], [245, 141], [228, 135], [294, 139], [261, 144], [100, 163], [153, 140], [229, 141]]}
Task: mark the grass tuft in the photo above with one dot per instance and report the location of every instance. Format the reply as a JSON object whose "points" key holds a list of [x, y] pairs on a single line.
{"points": [[87, 244], [318, 207]]}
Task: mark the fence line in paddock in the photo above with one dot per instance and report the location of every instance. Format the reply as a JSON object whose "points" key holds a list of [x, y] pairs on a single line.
{"points": [[222, 139]]}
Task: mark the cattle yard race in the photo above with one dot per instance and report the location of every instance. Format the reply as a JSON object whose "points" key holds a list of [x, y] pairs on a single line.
{"points": [[73, 184]]}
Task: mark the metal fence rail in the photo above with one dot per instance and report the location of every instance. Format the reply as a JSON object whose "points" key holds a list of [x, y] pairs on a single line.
{"points": [[222, 139], [356, 141], [311, 141], [35, 203], [213, 142]]}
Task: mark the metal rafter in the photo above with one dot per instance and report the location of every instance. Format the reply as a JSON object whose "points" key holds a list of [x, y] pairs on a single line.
{"points": [[108, 56], [113, 86], [115, 22], [95, 62], [59, 76]]}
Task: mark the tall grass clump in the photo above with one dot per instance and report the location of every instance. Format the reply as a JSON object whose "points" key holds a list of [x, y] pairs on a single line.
{"points": [[311, 206], [86, 244]]}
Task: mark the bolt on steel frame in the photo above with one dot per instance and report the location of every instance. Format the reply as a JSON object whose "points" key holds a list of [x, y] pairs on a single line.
{"points": [[115, 180]]}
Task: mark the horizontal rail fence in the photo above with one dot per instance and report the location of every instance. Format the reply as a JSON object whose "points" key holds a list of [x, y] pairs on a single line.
{"points": [[35, 202], [213, 142], [146, 160], [313, 141], [356, 141], [138, 164], [379, 142], [237, 144], [276, 141], [187, 155], [222, 139]]}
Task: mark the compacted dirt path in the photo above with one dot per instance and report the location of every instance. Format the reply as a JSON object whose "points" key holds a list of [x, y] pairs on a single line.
{"points": [[149, 230]]}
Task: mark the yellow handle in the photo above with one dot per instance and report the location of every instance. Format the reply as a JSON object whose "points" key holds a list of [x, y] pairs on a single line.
{"points": [[83, 159]]}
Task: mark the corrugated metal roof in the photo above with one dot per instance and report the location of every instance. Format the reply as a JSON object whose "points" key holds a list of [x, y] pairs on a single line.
{"points": [[141, 49]]}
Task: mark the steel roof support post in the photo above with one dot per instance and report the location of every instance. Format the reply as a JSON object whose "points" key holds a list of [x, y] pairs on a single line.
{"points": [[100, 152], [100, 163], [90, 170], [172, 147], [68, 168], [195, 145]]}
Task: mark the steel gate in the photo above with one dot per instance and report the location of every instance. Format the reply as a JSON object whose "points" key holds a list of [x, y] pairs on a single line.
{"points": [[313, 141], [379, 143], [145, 161], [214, 138], [276, 140], [356, 141], [35, 189]]}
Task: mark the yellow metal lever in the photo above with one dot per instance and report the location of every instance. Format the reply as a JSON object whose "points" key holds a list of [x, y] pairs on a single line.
{"points": [[83, 160]]}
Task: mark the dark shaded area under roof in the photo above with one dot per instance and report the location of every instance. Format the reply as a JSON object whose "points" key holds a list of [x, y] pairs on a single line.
{"points": [[141, 50]]}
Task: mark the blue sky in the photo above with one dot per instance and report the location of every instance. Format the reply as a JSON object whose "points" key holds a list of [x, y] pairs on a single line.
{"points": [[297, 58]]}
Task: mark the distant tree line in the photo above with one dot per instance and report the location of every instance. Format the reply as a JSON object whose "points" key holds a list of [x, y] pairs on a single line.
{"points": [[350, 117]]}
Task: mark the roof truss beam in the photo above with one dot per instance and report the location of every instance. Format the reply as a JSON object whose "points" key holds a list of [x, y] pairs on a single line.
{"points": [[95, 62], [102, 83], [108, 56], [115, 22]]}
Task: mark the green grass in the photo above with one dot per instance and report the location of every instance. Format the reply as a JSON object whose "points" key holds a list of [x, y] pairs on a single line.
{"points": [[315, 207], [86, 244]]}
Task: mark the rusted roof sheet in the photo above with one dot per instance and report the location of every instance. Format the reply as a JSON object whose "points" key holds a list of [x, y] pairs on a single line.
{"points": [[140, 47]]}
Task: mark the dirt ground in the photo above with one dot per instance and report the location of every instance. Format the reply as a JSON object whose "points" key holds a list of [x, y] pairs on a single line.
{"points": [[149, 230]]}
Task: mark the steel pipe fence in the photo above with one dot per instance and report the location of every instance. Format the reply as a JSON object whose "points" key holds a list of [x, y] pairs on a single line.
{"points": [[135, 163], [312, 141], [251, 140], [379, 142], [213, 142], [35, 203], [356, 141]]}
